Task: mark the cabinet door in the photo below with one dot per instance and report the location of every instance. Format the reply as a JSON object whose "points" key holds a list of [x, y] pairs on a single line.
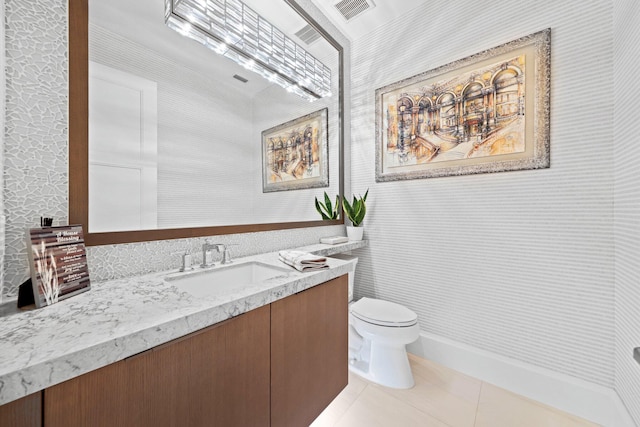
{"points": [[24, 412], [98, 398], [309, 352], [218, 376]]}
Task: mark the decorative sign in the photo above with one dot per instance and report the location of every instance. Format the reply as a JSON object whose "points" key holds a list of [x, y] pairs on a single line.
{"points": [[58, 262]]}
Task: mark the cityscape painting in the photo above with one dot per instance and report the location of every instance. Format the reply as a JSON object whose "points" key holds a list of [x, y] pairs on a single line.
{"points": [[295, 154], [485, 113]]}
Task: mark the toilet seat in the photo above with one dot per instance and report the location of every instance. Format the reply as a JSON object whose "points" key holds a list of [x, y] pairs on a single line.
{"points": [[383, 313]]}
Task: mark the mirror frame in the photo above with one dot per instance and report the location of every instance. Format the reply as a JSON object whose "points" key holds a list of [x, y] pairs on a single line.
{"points": [[78, 43]]}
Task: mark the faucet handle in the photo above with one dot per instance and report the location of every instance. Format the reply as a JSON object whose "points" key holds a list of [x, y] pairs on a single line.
{"points": [[226, 256], [186, 260]]}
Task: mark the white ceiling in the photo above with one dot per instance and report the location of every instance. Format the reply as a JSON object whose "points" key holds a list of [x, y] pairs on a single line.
{"points": [[357, 27], [142, 21]]}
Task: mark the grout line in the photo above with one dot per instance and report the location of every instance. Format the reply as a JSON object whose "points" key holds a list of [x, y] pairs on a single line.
{"points": [[411, 404], [475, 419], [351, 404], [344, 413]]}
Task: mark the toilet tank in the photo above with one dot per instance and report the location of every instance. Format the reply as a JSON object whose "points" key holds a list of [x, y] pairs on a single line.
{"points": [[354, 261]]}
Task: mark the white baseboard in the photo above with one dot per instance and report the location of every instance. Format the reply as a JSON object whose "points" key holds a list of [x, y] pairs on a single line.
{"points": [[578, 397]]}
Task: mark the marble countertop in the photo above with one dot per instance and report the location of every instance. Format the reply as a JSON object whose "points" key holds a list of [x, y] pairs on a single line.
{"points": [[119, 318]]}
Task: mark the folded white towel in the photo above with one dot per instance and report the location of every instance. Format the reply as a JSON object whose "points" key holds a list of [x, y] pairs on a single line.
{"points": [[302, 261]]}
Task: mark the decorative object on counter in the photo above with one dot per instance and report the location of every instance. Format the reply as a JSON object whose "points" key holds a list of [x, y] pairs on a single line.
{"points": [[303, 261], [46, 221], [327, 210], [58, 263], [355, 211], [25, 294], [488, 112], [295, 154], [334, 240]]}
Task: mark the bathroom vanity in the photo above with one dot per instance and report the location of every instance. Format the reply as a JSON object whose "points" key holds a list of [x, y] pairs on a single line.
{"points": [[274, 354]]}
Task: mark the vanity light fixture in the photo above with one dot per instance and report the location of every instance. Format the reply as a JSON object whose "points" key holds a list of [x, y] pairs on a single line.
{"points": [[232, 29]]}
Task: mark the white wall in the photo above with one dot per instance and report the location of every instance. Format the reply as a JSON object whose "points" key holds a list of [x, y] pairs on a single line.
{"points": [[201, 140], [626, 35], [519, 263], [271, 108]]}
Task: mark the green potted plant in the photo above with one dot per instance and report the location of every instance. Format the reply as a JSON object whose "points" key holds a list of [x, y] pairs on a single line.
{"points": [[326, 209], [355, 211]]}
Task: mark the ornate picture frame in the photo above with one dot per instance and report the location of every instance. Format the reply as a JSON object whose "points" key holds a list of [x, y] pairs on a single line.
{"points": [[488, 112], [295, 154]]}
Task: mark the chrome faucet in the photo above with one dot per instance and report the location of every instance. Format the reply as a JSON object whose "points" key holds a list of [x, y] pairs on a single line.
{"points": [[207, 260]]}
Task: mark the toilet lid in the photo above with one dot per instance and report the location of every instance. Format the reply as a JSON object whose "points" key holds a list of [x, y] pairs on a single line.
{"points": [[383, 313]]}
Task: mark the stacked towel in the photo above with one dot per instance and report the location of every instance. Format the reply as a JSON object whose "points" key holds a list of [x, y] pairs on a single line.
{"points": [[303, 261]]}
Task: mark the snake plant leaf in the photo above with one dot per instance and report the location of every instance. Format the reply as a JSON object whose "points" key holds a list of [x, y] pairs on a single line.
{"points": [[355, 210], [327, 203], [326, 209], [319, 208]]}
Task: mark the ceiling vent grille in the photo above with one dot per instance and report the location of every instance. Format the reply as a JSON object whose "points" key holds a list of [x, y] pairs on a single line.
{"points": [[349, 9], [308, 34], [239, 77]]}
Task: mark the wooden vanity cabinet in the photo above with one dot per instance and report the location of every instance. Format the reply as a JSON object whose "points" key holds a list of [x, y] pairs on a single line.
{"points": [[278, 365], [309, 352], [24, 412], [218, 376]]}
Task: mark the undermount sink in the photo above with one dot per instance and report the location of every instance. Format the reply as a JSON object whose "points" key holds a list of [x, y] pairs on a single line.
{"points": [[226, 279]]}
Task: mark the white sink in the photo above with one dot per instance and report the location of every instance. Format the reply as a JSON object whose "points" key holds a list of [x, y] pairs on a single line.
{"points": [[226, 279]]}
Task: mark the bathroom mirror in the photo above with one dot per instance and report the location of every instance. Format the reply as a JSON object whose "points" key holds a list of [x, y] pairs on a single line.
{"points": [[199, 129]]}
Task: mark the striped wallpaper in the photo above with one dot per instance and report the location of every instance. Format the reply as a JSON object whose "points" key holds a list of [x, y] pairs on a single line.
{"points": [[627, 201], [518, 263]]}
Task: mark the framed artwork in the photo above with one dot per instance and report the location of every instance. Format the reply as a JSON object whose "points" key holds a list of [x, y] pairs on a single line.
{"points": [[58, 263], [295, 154], [488, 112]]}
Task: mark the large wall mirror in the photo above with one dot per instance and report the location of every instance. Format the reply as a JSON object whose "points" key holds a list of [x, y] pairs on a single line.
{"points": [[170, 139]]}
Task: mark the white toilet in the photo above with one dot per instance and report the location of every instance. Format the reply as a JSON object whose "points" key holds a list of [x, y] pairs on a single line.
{"points": [[378, 333]]}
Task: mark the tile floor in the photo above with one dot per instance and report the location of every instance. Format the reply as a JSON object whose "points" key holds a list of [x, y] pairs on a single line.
{"points": [[441, 398]]}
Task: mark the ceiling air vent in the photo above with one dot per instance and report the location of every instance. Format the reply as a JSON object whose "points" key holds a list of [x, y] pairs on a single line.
{"points": [[349, 9], [308, 34]]}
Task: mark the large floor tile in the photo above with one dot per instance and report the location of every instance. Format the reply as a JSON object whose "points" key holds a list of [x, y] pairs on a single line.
{"points": [[441, 397], [442, 393], [500, 408], [330, 416], [375, 408], [453, 382]]}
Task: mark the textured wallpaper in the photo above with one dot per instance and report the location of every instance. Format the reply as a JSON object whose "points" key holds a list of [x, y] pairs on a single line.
{"points": [[36, 160], [2, 137], [517, 263], [627, 202], [35, 145]]}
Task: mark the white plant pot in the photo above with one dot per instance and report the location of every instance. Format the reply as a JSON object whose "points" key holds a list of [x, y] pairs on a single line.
{"points": [[355, 233]]}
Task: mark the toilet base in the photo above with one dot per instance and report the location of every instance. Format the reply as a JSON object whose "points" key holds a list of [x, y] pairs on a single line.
{"points": [[384, 364], [401, 379]]}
